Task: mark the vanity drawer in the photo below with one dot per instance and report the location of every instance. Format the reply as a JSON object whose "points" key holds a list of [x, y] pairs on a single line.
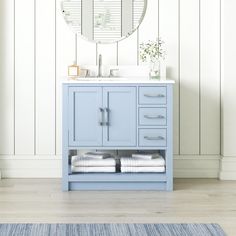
{"points": [[152, 116], [152, 95], [152, 137]]}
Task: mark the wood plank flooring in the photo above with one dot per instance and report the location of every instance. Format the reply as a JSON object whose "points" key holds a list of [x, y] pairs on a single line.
{"points": [[192, 201]]}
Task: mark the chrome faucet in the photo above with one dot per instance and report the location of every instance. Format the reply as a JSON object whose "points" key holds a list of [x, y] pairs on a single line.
{"points": [[100, 65]]}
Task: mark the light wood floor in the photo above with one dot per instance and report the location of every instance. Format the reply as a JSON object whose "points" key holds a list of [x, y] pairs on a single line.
{"points": [[193, 201]]}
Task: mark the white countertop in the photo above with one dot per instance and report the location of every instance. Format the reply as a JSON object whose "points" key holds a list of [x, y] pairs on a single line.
{"points": [[115, 80]]}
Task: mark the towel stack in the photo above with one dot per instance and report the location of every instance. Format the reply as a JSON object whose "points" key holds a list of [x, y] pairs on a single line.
{"points": [[143, 163], [93, 162]]}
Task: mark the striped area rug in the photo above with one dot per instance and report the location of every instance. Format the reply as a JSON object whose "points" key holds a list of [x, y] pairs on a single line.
{"points": [[111, 230]]}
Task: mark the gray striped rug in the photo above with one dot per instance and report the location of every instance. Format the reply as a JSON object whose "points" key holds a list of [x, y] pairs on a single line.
{"points": [[111, 230]]}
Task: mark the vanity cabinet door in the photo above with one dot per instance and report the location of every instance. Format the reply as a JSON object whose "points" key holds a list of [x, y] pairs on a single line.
{"points": [[120, 116], [85, 115]]}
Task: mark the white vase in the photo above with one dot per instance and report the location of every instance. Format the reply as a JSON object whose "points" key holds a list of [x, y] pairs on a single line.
{"points": [[154, 69]]}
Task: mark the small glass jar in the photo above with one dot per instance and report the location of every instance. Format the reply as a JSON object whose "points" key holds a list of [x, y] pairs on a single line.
{"points": [[154, 69]]}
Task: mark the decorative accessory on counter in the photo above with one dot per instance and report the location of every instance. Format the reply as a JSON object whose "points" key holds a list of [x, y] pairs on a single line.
{"points": [[155, 70], [152, 52], [114, 73], [83, 72], [73, 70]]}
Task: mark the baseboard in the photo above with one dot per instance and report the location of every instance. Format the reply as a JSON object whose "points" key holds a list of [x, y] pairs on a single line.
{"points": [[185, 166], [30, 166], [196, 166], [227, 168]]}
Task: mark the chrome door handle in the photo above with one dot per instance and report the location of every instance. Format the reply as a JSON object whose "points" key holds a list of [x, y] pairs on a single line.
{"points": [[154, 138], [107, 122], [154, 117], [101, 123], [154, 95]]}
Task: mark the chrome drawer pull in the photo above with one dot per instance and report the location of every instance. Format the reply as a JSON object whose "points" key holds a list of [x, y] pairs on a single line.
{"points": [[154, 95], [101, 116], [107, 122], [154, 117], [154, 138]]}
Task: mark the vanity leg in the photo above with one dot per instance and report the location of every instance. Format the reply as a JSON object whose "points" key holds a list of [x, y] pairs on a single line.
{"points": [[169, 170], [65, 144], [169, 150], [65, 170], [65, 185]]}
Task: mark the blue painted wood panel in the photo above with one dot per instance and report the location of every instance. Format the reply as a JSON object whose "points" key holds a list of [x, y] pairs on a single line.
{"points": [[117, 177], [118, 186], [152, 116], [169, 150], [152, 137], [124, 127], [152, 95], [121, 108], [84, 116]]}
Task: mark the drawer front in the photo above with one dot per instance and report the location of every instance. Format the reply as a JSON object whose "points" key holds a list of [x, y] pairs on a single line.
{"points": [[152, 137], [152, 116], [152, 95]]}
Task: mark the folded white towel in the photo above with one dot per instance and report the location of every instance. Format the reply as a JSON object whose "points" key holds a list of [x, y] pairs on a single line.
{"points": [[84, 161], [97, 155], [135, 161], [136, 169], [146, 156], [87, 169]]}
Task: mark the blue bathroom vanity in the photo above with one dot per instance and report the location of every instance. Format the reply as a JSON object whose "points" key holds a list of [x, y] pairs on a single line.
{"points": [[125, 114]]}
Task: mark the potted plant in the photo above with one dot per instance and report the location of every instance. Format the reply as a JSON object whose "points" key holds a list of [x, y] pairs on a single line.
{"points": [[152, 52]]}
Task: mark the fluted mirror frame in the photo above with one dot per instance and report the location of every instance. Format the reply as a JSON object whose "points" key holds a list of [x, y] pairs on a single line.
{"points": [[105, 21]]}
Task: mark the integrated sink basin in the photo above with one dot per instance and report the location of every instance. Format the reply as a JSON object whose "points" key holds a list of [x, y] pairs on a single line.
{"points": [[101, 78]]}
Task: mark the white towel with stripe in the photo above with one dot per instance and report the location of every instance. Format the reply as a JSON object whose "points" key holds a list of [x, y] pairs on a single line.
{"points": [[147, 156], [134, 161], [139, 169], [97, 155], [93, 169], [84, 161]]}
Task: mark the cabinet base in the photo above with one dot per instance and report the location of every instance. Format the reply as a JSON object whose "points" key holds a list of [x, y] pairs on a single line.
{"points": [[117, 186], [117, 181]]}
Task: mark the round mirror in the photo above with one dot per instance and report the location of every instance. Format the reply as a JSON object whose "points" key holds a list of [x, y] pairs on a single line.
{"points": [[104, 21]]}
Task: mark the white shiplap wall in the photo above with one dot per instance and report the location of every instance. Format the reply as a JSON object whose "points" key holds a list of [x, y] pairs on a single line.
{"points": [[228, 74], [37, 46]]}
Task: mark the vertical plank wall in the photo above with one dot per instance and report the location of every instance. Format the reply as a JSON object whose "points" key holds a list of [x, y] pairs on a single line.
{"points": [[37, 47], [189, 77], [25, 77], [65, 55], [7, 81], [45, 78], [210, 77], [228, 83], [228, 88], [169, 31]]}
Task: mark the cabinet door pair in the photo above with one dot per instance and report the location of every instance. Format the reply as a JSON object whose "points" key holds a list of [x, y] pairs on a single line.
{"points": [[102, 116]]}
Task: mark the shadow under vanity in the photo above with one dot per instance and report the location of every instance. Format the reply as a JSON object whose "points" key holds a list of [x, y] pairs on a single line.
{"points": [[128, 116]]}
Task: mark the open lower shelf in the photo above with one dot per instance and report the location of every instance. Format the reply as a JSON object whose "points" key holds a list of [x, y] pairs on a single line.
{"points": [[117, 177]]}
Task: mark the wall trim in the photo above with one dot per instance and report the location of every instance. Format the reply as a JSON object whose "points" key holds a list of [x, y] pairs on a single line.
{"points": [[227, 168], [185, 166], [196, 166]]}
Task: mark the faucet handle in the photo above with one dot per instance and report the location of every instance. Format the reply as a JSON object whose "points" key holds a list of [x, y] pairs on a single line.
{"points": [[113, 72]]}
